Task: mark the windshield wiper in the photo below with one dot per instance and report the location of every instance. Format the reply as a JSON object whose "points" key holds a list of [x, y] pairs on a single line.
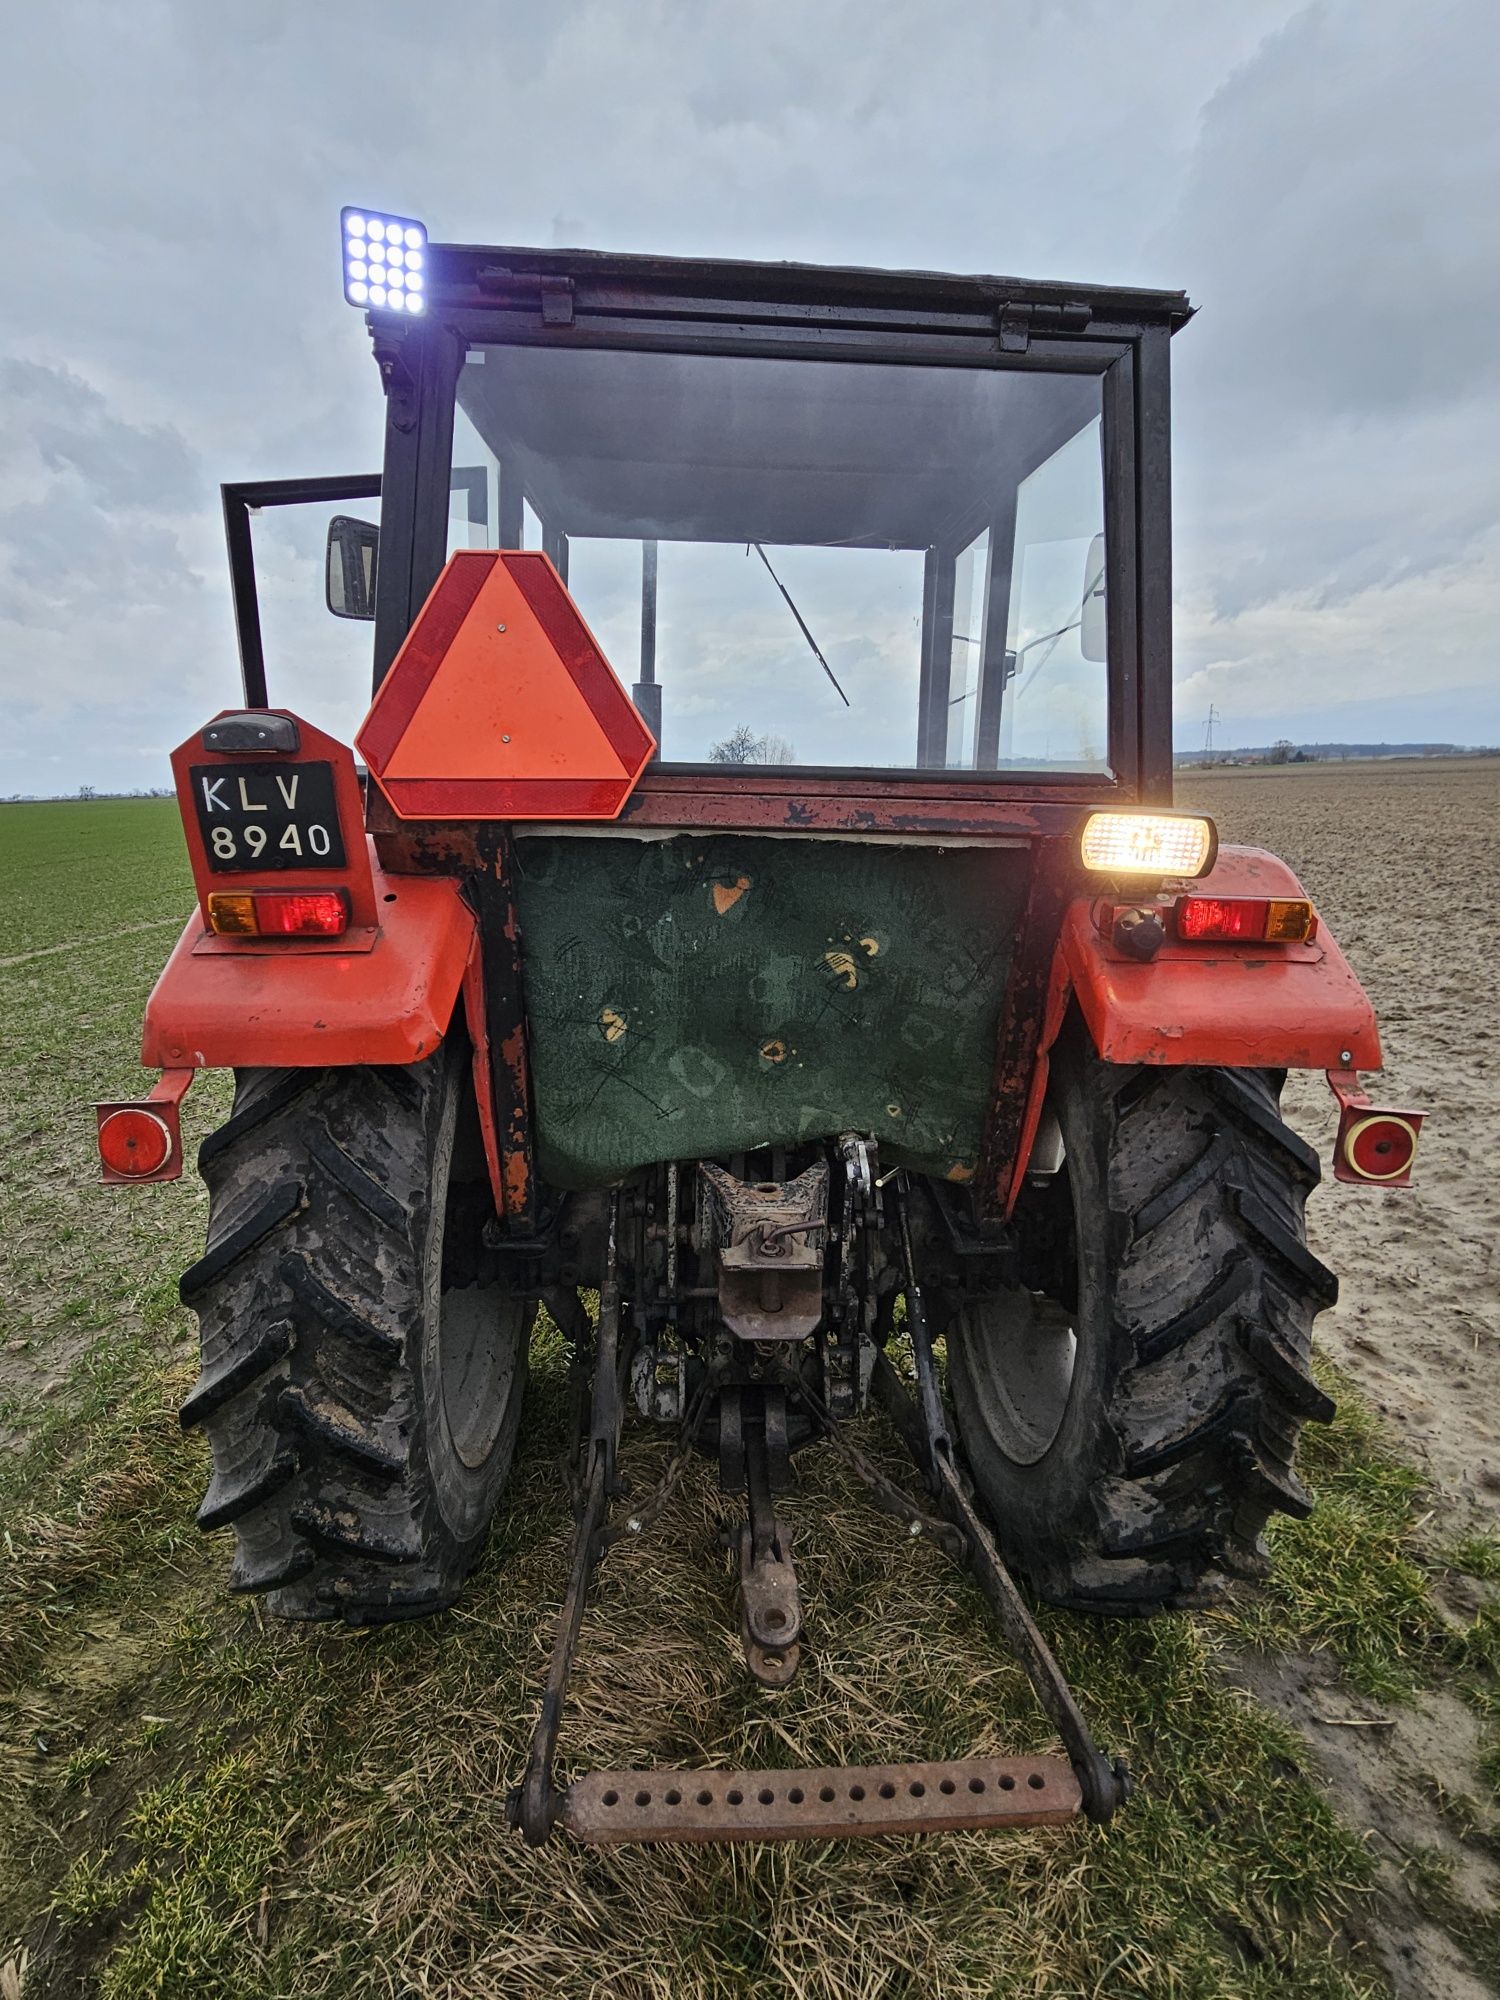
{"points": [[801, 623]]}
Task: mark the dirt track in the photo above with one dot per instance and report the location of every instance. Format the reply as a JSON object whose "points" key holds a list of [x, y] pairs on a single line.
{"points": [[1403, 861]]}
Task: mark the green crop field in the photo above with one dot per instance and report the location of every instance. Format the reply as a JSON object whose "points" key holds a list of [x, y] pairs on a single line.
{"points": [[195, 1801]]}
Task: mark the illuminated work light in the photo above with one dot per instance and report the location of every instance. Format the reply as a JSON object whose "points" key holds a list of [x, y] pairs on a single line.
{"points": [[1147, 843], [384, 258]]}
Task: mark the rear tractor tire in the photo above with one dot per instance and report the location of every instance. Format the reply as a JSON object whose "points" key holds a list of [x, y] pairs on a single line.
{"points": [[363, 1359], [1130, 1416]]}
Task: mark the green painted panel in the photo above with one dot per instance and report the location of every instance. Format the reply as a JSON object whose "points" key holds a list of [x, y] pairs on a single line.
{"points": [[701, 995]]}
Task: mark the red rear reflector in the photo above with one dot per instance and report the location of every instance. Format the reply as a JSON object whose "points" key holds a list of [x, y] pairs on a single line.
{"points": [[279, 913], [1244, 919], [134, 1143], [1380, 1146]]}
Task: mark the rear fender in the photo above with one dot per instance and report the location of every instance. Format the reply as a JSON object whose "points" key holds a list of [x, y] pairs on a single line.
{"points": [[1236, 1006], [1239, 1006], [294, 1008], [382, 992]]}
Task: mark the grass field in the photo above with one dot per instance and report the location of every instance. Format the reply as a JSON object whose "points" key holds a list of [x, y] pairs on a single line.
{"points": [[193, 1801]]}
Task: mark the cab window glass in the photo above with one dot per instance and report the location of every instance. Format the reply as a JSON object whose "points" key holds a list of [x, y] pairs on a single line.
{"points": [[817, 564]]}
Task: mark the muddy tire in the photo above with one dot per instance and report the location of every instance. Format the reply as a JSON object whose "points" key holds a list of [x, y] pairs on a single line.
{"points": [[1130, 1416], [363, 1359]]}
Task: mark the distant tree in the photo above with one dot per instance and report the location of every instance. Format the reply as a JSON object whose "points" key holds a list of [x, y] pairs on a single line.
{"points": [[737, 748], [1280, 752], [743, 746], [85, 791]]}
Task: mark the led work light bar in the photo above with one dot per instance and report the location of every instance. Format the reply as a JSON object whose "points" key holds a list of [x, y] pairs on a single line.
{"points": [[385, 261], [1145, 843]]}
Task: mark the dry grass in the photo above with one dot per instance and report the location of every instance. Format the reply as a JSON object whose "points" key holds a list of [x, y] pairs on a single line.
{"points": [[314, 1812]]}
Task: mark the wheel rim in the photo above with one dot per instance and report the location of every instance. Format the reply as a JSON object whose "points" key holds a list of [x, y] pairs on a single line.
{"points": [[1023, 1358], [477, 1345], [480, 1324]]}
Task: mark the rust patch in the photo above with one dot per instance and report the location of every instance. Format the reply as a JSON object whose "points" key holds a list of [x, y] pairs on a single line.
{"points": [[773, 1051], [961, 1170], [611, 1024], [515, 1144], [870, 946], [727, 894], [841, 965]]}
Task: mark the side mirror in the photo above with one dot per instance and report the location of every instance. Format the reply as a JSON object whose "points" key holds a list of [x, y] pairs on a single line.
{"points": [[353, 547], [1093, 638]]}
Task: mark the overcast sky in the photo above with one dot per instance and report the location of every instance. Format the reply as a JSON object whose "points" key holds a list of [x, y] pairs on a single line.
{"points": [[1323, 180]]}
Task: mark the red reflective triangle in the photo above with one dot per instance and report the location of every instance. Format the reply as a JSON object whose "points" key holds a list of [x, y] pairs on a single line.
{"points": [[501, 705]]}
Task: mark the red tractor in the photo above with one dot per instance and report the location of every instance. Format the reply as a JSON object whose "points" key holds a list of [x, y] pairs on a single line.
{"points": [[837, 983]]}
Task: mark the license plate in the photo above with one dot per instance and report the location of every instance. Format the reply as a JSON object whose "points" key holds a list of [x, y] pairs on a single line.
{"points": [[261, 816]]}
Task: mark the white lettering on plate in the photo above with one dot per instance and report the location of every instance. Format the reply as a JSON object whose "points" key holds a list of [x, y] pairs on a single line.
{"points": [[211, 800], [247, 803], [288, 791]]}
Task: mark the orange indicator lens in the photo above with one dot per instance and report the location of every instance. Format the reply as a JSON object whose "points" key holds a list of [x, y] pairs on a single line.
{"points": [[232, 916]]}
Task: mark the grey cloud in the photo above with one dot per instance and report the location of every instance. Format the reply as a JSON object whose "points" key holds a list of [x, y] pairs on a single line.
{"points": [[74, 431], [1321, 178]]}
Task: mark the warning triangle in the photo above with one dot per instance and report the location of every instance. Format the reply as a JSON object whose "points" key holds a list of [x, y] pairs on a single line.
{"points": [[501, 705]]}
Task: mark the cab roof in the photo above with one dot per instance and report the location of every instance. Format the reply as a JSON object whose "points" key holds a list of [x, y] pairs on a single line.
{"points": [[476, 274]]}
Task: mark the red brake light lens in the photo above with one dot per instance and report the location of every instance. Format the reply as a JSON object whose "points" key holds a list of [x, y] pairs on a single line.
{"points": [[302, 913], [134, 1143], [1244, 920], [279, 913]]}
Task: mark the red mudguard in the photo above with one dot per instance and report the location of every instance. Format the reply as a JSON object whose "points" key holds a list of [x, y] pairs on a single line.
{"points": [[390, 1002], [1245, 1006], [1242, 1006]]}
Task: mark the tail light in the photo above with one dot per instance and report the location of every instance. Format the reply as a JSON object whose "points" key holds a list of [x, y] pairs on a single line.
{"points": [[1244, 920], [278, 913]]}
